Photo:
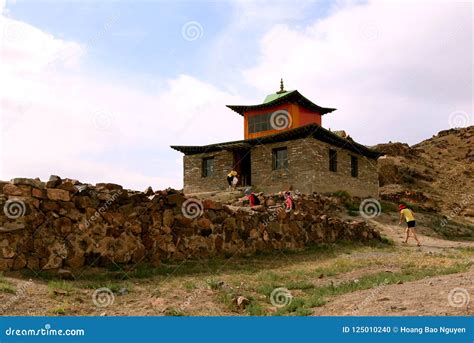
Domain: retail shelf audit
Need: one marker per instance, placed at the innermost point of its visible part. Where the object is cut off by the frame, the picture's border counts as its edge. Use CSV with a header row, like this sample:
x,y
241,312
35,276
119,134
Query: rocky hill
x,y
435,174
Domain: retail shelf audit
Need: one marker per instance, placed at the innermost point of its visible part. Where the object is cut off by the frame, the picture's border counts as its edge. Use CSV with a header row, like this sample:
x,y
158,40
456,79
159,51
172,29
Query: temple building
x,y
285,147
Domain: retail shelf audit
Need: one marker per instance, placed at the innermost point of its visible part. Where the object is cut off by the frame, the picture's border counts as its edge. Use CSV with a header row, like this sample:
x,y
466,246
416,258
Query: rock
x,y
59,291
58,194
65,274
204,223
108,187
53,182
175,199
149,191
38,193
168,218
5,264
122,291
67,186
399,282
27,182
211,205
241,302
7,252
10,189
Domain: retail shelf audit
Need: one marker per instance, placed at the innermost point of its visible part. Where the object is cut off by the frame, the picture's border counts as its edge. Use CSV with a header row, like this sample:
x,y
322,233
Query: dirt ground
x,y
436,279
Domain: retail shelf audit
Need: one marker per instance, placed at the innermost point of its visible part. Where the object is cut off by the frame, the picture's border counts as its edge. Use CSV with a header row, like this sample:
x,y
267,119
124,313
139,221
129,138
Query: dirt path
x,y
436,296
397,234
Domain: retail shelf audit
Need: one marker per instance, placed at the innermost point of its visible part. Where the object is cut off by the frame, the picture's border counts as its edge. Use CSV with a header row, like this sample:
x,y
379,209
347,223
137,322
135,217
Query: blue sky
x,y
98,90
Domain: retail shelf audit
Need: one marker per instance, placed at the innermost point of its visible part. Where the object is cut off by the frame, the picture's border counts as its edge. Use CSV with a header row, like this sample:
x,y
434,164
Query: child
x,y
289,202
230,178
235,180
410,219
253,199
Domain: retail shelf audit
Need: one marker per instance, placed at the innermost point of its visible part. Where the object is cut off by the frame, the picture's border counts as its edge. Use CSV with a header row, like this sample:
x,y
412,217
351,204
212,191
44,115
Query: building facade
x,y
285,148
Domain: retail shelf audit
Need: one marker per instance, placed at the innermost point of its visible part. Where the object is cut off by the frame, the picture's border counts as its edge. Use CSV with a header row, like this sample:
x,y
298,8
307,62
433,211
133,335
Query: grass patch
x,y
60,310
388,207
174,312
452,230
6,286
60,287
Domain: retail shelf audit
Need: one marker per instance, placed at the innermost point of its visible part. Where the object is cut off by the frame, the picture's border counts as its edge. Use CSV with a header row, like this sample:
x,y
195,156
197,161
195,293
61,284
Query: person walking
x,y
411,223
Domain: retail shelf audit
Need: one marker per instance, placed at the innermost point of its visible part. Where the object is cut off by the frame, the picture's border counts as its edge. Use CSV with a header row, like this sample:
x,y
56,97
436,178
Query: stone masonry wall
x,y
193,180
308,170
66,224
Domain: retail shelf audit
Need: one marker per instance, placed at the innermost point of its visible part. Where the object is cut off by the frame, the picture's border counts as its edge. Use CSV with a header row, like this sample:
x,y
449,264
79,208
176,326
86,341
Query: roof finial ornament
x,y
282,90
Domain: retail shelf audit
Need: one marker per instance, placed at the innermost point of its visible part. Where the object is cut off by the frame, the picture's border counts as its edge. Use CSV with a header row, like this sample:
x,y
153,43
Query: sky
x,y
98,90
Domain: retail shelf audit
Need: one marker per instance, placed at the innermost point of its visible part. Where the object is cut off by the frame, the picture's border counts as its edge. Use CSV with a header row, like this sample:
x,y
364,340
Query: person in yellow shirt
x,y
411,223
230,178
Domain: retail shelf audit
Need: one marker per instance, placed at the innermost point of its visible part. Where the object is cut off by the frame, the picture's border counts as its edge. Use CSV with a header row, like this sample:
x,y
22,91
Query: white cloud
x,y
394,71
59,119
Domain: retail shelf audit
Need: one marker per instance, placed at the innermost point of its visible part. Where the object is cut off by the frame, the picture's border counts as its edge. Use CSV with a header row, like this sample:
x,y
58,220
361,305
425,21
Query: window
x,y
354,166
259,123
332,160
280,158
207,166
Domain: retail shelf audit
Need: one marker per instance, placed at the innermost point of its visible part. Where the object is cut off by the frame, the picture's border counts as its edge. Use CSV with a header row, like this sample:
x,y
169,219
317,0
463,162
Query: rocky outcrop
x,y
64,223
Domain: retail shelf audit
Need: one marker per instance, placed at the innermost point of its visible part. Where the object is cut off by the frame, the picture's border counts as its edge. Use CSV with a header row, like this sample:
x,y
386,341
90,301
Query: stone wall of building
x,y
308,169
66,224
194,182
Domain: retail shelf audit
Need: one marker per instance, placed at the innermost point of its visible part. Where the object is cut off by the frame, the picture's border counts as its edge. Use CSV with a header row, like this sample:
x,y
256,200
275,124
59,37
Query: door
x,y
242,166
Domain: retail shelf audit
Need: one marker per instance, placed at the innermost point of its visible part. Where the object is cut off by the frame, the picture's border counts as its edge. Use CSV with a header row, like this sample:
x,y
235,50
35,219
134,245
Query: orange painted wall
x,y
299,117
309,117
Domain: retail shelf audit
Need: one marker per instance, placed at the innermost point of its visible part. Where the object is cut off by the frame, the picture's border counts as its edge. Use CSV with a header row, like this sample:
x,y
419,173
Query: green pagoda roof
x,y
279,98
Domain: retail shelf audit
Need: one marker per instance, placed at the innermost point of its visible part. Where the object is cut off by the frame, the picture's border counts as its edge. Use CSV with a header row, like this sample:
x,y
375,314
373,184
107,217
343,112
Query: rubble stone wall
x,y
63,223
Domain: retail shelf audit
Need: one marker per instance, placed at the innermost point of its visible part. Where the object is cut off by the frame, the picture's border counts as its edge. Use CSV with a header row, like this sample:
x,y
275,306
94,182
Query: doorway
x,y
242,165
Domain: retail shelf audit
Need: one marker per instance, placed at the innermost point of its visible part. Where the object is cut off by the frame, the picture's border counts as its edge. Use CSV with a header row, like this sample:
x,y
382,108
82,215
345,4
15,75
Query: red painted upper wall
x,y
298,116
